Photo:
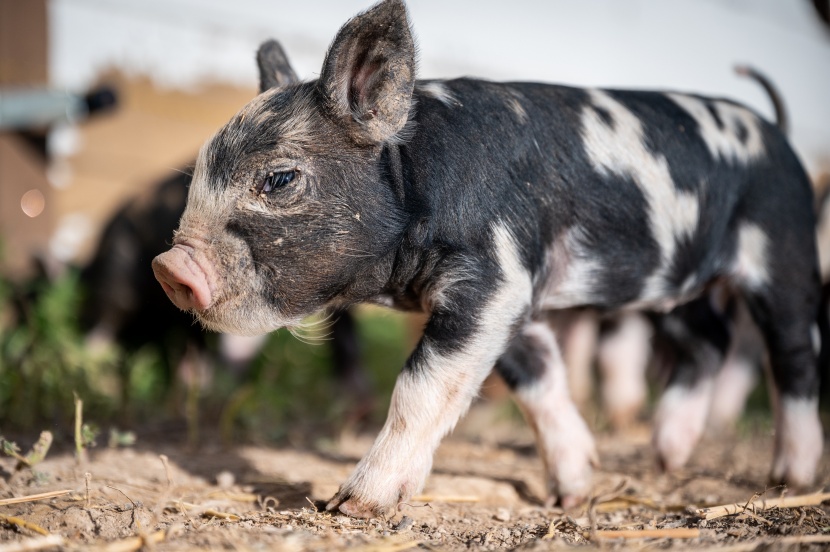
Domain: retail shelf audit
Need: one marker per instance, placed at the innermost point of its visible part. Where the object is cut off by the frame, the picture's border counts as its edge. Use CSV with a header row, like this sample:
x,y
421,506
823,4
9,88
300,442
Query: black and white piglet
x,y
486,205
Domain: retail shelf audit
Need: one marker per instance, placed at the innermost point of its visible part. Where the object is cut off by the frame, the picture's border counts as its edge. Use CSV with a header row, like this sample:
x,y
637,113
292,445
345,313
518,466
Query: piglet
x,y
486,205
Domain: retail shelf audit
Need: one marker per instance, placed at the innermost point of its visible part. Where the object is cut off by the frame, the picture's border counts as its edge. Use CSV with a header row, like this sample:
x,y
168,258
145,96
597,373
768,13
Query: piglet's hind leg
x,y
534,370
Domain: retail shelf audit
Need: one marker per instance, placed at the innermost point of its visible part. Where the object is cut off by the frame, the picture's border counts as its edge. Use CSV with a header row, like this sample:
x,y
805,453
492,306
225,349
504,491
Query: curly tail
x,y
781,118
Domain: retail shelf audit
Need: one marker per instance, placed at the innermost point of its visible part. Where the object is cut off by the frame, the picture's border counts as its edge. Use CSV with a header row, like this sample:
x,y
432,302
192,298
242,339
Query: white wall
x,y
679,44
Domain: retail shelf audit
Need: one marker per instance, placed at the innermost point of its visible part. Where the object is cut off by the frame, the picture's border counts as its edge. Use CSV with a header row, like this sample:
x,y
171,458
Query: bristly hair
x,y
409,129
276,116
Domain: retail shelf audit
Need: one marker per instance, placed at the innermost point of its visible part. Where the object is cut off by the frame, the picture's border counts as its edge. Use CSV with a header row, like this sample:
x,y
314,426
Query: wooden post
x,y
26,217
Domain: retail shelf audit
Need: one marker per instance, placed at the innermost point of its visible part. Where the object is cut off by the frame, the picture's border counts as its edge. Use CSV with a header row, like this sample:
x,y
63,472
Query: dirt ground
x,y
485,493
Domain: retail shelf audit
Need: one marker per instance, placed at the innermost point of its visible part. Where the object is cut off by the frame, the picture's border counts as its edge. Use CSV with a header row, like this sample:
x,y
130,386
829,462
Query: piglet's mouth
x,y
184,279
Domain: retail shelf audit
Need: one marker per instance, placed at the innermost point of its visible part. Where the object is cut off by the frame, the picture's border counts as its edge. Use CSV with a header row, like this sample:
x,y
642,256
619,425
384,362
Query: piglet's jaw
x,y
183,279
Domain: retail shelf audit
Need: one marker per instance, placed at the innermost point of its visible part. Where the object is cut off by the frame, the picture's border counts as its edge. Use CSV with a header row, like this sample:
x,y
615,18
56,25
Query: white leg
x,y
798,442
458,350
680,420
578,332
739,373
565,443
623,358
733,385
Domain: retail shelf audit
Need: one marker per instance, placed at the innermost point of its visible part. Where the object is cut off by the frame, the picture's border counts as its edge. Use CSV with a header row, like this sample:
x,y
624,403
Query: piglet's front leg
x,y
426,404
469,329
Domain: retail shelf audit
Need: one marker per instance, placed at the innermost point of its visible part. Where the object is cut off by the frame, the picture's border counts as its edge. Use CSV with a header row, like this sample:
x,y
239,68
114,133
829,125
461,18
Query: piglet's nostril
x,y
172,287
183,280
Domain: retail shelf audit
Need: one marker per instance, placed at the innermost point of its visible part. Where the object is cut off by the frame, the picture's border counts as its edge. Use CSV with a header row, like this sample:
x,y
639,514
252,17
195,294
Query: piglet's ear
x,y
369,72
274,69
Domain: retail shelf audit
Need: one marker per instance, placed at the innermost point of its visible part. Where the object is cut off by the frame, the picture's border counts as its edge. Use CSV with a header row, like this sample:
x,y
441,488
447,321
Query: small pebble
x,y
78,520
502,514
225,479
405,523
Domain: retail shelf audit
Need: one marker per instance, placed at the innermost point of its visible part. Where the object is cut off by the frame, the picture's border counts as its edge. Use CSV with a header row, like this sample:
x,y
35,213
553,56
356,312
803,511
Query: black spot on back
x,y
742,132
710,106
604,115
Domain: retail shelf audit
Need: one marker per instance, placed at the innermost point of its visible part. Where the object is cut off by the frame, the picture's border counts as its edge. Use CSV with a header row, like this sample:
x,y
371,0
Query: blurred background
x,y
118,95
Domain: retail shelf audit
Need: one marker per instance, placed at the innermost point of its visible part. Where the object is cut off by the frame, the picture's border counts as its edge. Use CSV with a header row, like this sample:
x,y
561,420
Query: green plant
x,y
42,357
34,456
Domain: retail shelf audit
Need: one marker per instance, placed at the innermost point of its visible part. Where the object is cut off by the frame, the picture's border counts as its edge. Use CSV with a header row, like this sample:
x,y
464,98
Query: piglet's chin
x,y
248,322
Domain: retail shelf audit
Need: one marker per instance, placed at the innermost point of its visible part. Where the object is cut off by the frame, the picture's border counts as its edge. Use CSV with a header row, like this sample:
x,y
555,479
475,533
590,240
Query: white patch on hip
x,y
439,91
751,265
514,104
573,271
429,399
620,149
724,143
564,440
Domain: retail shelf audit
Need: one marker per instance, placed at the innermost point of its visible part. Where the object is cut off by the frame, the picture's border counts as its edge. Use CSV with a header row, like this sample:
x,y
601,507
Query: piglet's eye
x,y
275,180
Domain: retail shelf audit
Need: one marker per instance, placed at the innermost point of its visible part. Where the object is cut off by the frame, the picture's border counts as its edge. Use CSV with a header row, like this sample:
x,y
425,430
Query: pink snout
x,y
183,279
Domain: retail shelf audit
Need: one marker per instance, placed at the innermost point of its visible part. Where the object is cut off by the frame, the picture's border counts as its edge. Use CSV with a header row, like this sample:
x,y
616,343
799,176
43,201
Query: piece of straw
x,y
34,497
674,533
20,522
761,504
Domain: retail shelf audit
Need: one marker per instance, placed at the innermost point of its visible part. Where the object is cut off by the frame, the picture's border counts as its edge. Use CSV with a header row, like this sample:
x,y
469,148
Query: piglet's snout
x,y
184,280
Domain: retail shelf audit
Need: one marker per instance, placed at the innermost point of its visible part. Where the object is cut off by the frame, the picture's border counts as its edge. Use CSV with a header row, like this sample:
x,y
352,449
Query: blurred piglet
x,y
123,304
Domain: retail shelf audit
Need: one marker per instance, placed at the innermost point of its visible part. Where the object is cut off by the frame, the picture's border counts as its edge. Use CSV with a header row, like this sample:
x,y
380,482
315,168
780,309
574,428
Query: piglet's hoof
x,y
566,502
354,507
